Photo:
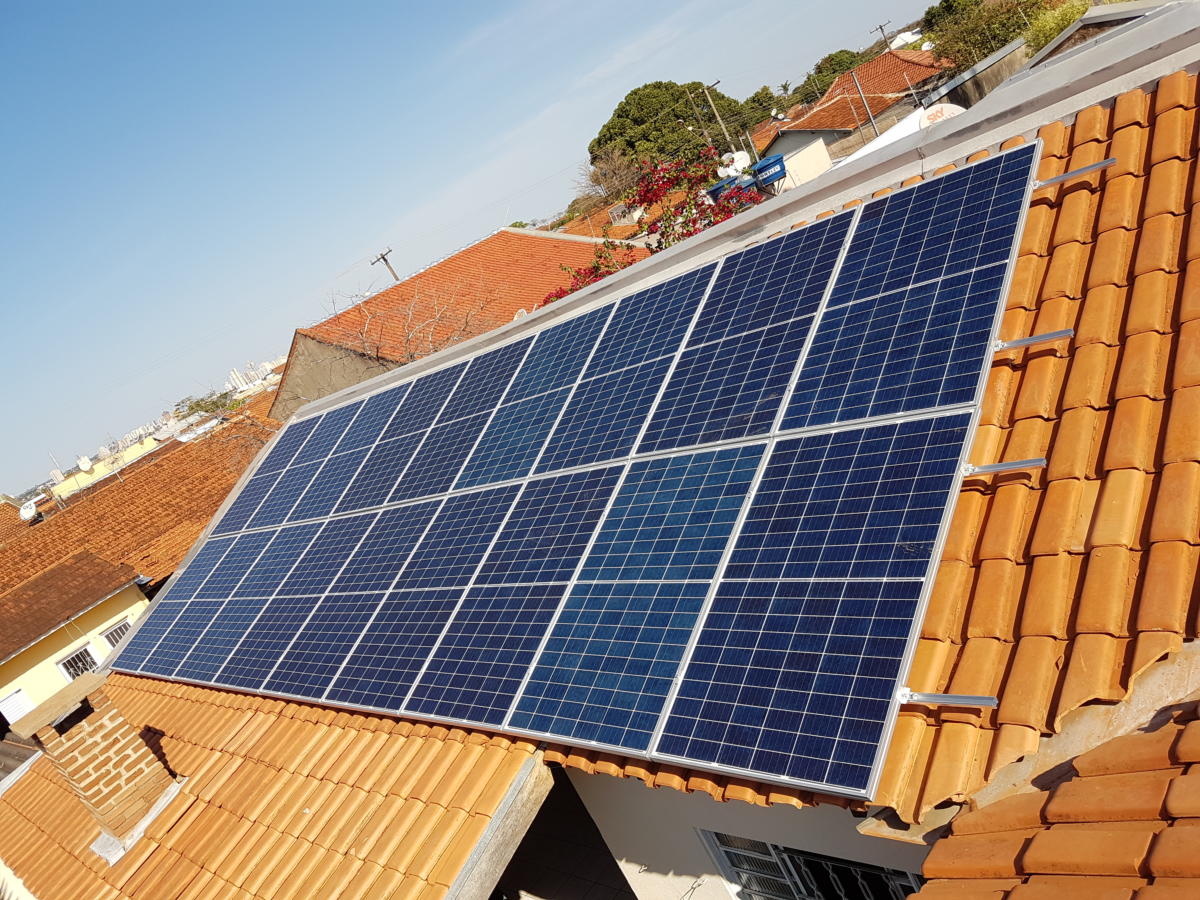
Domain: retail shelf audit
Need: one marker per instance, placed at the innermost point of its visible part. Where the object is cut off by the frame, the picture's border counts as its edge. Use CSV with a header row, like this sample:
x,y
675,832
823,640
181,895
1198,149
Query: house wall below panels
x,y
316,370
655,835
35,671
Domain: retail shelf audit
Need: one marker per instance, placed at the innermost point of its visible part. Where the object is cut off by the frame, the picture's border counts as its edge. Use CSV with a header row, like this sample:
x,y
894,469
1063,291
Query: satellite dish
x,y
84,463
734,164
28,511
931,115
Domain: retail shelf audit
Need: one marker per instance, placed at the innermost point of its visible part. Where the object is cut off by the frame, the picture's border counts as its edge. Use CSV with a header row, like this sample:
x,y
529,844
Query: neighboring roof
x,y
11,523
472,291
40,605
598,224
885,81
1121,827
281,799
150,516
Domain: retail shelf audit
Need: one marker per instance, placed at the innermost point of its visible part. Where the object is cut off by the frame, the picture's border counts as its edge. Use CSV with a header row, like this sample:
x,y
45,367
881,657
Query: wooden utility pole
x,y
383,258
699,118
713,106
882,32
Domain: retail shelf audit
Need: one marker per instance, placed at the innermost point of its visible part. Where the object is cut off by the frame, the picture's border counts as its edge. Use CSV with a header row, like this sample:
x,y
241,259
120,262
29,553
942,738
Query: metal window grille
x,y
114,634
769,872
78,663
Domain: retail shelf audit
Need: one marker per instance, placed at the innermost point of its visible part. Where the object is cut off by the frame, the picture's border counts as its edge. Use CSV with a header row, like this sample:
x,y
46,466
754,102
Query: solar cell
x,y
859,503
794,678
672,516
309,664
607,667
603,417
549,528
436,463
426,397
181,637
650,323
376,562
232,568
914,349
213,647
953,223
375,479
558,355
264,642
327,433
242,508
477,668
198,568
149,632
513,439
772,282
326,555
457,539
328,485
376,412
728,389
393,647
276,561
287,445
283,496
485,381
745,607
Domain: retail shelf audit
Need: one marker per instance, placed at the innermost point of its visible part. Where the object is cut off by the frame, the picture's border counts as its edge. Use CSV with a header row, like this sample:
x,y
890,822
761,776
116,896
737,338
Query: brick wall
x,y
108,766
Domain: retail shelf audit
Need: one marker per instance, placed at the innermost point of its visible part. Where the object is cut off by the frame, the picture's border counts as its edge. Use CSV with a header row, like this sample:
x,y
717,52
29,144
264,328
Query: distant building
x,y
481,287
59,625
873,95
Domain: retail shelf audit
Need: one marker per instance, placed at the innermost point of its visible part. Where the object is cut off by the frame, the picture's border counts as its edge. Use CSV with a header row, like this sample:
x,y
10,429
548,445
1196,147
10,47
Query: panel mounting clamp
x,y
1012,466
908,695
1044,338
1076,173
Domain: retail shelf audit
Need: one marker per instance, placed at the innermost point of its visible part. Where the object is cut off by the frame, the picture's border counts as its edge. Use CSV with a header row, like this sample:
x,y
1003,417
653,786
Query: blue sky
x,y
185,184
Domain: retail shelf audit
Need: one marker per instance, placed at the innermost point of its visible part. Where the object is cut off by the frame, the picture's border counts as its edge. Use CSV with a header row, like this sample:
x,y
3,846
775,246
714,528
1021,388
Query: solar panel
x,y
695,523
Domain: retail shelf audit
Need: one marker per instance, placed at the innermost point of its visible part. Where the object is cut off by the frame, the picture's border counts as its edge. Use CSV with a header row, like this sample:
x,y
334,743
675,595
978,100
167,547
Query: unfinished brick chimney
x,y
103,759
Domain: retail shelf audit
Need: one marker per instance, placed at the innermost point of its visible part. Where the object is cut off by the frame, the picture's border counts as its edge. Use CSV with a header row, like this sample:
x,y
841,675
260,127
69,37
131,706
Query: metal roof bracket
x,y
1076,173
1012,466
1044,338
908,695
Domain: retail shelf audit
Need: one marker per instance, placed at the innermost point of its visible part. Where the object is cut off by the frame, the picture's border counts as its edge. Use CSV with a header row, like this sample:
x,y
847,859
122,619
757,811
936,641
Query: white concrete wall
x,y
806,163
655,835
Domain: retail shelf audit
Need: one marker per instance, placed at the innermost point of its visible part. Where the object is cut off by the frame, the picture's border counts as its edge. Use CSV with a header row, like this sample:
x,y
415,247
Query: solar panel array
x,y
694,524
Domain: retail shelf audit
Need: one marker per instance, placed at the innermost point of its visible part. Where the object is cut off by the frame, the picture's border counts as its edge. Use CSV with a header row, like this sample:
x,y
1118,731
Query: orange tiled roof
x,y
11,523
477,289
1120,828
41,604
281,800
150,516
885,80
599,224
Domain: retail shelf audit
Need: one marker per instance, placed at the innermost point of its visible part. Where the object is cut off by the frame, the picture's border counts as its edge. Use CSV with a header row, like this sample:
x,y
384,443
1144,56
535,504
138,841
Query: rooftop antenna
x,y
383,258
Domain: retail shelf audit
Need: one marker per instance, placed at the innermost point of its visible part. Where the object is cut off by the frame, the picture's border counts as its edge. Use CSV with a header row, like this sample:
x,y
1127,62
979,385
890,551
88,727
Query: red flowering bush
x,y
609,257
677,191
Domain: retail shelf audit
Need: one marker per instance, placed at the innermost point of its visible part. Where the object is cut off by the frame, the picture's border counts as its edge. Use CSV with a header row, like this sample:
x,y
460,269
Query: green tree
x,y
658,120
943,9
213,403
978,30
759,104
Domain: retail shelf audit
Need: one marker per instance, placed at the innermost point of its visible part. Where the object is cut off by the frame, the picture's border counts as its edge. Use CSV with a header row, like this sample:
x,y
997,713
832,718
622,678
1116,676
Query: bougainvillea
x,y
674,194
609,257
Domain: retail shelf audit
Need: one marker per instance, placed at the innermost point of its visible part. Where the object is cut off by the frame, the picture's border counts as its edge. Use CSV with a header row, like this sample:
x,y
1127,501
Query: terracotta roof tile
x,y
271,830
44,602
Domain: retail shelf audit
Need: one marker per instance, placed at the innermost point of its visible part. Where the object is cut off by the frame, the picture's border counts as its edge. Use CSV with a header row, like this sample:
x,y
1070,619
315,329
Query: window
x,y
78,663
118,631
770,872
